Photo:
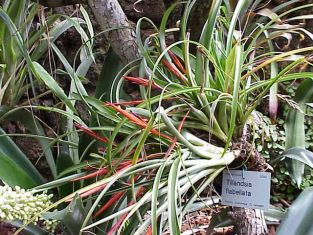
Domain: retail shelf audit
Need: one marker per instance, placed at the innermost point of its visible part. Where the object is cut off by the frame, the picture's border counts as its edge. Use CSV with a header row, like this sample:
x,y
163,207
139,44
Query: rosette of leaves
x,y
162,150
21,47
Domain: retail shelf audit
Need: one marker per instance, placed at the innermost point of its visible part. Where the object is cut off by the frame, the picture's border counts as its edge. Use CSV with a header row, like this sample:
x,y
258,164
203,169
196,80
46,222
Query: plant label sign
x,y
249,189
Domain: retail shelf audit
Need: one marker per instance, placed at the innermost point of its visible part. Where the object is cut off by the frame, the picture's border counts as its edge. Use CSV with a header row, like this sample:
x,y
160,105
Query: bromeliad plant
x,y
21,46
161,151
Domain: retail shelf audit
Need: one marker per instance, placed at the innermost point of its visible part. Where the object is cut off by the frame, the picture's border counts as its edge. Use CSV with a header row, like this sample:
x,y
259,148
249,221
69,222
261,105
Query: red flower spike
x,y
109,203
149,230
102,171
91,133
142,82
122,166
129,116
139,117
181,124
174,70
177,62
137,121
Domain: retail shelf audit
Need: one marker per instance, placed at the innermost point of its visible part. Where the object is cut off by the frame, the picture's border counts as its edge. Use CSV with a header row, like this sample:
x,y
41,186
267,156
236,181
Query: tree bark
x,y
110,15
249,221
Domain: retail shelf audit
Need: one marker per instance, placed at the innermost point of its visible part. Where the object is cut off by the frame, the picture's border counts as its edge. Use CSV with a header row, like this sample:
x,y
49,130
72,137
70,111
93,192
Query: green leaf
x,y
275,213
206,37
232,27
74,216
300,154
15,11
52,85
34,126
299,217
59,182
64,161
172,197
235,105
295,131
55,215
58,29
15,168
13,174
112,65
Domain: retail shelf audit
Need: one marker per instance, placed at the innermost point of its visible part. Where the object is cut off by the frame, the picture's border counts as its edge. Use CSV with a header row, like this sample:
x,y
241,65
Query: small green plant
x,y
21,47
270,141
15,79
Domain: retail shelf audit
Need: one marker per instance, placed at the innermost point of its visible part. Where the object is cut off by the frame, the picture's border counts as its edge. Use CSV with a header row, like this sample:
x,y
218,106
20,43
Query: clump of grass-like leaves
x,y
172,142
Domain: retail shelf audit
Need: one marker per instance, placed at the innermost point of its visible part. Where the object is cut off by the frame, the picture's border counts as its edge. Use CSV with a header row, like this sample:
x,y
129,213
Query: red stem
x,y
91,133
142,82
174,70
137,121
177,62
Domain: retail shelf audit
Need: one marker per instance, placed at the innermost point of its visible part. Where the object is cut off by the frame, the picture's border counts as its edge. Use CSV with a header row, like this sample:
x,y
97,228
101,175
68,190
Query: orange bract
x,y
91,133
177,62
139,122
175,71
142,82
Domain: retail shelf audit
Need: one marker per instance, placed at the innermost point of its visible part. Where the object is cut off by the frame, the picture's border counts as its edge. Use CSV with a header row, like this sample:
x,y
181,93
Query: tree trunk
x,y
249,221
122,37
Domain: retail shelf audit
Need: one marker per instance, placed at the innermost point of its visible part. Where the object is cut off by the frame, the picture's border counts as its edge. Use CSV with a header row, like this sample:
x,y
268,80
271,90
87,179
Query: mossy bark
x,y
249,221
